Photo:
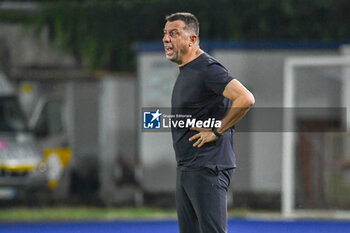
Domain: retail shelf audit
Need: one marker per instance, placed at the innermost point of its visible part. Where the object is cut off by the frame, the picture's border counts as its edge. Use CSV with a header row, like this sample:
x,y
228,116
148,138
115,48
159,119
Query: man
x,y
205,157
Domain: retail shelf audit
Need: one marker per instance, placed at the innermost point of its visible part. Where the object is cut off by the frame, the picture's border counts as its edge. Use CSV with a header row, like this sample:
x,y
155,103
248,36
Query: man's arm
x,y
242,100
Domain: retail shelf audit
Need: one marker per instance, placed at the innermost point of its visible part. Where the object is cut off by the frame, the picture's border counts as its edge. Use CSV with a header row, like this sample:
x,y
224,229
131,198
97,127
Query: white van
x,y
24,167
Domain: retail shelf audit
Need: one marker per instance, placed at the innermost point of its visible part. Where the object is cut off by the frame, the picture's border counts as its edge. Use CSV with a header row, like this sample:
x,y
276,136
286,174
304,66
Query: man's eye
x,y
173,33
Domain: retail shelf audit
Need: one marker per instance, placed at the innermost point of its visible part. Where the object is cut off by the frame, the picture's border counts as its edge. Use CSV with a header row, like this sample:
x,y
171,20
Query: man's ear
x,y
193,39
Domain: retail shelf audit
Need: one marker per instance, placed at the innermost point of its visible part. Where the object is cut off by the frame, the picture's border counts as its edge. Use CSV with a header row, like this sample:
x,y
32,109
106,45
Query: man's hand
x,y
204,136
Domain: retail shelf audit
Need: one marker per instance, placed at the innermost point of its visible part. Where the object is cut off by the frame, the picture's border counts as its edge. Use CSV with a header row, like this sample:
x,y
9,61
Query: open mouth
x,y
169,50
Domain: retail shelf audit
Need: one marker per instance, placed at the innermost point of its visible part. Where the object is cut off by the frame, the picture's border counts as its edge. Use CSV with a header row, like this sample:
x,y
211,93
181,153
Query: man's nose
x,y
166,38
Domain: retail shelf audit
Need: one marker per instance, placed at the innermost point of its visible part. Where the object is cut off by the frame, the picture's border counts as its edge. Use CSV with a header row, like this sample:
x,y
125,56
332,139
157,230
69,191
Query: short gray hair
x,y
189,19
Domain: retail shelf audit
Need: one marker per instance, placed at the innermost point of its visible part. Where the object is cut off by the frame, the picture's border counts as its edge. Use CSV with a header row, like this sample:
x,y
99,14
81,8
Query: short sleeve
x,y
216,78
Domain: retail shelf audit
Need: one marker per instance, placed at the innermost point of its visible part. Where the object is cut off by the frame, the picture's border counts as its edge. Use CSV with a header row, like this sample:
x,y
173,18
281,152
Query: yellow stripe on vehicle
x,y
18,168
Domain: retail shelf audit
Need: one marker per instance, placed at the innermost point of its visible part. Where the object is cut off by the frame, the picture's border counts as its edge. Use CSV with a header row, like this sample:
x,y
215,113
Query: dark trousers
x,y
201,199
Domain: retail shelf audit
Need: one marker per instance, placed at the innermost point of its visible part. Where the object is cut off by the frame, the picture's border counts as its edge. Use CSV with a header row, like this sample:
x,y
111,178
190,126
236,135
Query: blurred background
x,y
74,76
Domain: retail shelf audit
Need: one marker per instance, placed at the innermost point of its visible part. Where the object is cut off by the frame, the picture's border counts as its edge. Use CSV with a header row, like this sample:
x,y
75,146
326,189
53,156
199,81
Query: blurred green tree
x,y
104,32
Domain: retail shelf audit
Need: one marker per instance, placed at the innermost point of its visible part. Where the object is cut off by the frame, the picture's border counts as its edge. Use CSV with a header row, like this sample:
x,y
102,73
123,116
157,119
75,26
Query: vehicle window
x,y
50,121
11,117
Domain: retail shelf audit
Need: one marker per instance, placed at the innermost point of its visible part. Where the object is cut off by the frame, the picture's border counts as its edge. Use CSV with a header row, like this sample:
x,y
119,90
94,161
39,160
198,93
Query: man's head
x,y
181,36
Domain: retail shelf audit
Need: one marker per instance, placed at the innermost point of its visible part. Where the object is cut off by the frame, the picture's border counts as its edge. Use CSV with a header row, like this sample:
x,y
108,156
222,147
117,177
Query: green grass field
x,y
81,213
92,213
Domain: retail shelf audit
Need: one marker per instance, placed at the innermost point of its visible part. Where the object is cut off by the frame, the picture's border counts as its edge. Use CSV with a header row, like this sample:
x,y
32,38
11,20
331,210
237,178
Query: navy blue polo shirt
x,y
198,92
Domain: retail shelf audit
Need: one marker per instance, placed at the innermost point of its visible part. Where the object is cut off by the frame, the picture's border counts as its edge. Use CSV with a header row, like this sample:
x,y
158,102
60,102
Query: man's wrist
x,y
215,131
